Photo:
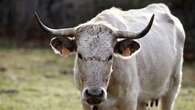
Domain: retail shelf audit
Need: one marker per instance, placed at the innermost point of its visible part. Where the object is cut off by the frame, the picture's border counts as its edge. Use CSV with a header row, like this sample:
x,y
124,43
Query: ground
x,y
37,79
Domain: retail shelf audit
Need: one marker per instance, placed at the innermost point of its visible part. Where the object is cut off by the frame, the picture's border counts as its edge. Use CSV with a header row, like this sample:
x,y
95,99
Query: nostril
x,y
87,92
101,93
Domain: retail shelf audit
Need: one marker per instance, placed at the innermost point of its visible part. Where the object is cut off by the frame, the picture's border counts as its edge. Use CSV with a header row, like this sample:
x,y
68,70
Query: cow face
x,y
94,63
95,46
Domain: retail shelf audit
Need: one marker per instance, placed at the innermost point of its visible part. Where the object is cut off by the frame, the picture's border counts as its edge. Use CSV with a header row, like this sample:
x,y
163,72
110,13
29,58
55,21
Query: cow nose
x,y
97,93
94,96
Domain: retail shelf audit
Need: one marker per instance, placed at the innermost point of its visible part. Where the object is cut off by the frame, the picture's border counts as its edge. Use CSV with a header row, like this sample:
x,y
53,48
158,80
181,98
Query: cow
x,y
125,59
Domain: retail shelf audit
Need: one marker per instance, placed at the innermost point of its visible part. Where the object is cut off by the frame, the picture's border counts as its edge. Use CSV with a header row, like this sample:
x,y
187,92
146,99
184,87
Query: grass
x,y
36,79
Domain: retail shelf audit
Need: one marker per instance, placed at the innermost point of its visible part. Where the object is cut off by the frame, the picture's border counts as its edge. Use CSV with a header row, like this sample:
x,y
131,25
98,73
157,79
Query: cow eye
x,y
110,57
80,56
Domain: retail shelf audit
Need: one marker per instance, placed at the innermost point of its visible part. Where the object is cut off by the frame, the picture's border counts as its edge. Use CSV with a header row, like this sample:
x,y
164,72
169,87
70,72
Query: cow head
x,y
95,46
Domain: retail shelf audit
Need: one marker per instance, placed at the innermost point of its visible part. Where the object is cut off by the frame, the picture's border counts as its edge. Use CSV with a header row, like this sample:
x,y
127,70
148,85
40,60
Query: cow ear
x,y
62,45
126,47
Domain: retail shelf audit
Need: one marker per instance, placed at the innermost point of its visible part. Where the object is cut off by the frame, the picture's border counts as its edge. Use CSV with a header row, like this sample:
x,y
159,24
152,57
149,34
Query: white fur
x,y
153,72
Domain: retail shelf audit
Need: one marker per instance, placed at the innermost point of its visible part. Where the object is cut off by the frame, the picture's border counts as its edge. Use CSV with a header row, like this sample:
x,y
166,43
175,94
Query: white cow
x,y
120,67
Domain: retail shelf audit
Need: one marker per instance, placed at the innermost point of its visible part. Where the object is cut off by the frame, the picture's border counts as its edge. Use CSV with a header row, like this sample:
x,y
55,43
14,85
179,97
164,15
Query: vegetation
x,y
36,79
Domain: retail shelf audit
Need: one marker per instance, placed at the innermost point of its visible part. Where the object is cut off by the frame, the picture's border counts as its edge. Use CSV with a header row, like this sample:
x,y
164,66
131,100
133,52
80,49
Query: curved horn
x,y
126,34
65,31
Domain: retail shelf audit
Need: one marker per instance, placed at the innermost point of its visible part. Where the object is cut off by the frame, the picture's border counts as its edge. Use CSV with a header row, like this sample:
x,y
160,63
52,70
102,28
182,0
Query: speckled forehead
x,y
94,40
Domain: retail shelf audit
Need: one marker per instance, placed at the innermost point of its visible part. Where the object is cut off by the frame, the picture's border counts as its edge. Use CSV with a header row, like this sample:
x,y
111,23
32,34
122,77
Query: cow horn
x,y
130,35
66,31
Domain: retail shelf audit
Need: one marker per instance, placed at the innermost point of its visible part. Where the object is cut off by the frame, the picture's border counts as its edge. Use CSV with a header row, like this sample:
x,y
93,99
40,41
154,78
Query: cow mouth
x,y
94,108
94,101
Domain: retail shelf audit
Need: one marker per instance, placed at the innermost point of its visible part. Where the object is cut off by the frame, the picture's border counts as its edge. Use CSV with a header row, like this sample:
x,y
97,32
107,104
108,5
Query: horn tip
x,y
37,16
40,23
152,18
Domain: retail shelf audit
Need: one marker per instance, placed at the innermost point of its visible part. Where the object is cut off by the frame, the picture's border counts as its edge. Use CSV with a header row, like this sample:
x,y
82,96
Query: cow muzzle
x,y
94,96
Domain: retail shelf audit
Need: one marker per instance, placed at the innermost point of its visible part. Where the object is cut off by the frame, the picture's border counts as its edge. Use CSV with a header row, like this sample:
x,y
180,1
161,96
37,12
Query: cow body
x,y
119,67
152,73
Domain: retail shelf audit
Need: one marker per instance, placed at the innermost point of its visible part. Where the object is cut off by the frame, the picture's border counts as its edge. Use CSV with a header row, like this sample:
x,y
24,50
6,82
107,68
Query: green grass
x,y
36,79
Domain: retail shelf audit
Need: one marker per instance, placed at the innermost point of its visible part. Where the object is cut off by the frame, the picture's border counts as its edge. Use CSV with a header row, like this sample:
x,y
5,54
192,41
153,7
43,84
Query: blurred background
x,y
17,21
33,78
